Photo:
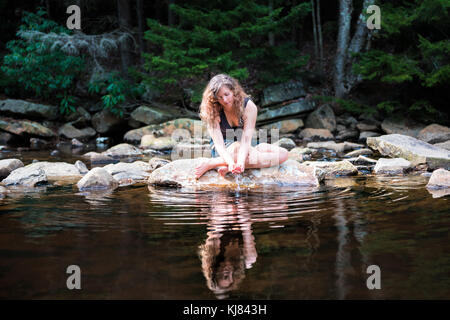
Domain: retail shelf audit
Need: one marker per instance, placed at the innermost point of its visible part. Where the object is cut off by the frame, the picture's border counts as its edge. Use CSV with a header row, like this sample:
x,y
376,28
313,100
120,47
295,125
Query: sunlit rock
x,y
311,134
444,145
434,133
411,149
392,166
286,143
29,176
334,168
123,150
359,152
149,141
97,178
156,163
70,132
24,127
439,183
8,165
29,110
129,173
180,173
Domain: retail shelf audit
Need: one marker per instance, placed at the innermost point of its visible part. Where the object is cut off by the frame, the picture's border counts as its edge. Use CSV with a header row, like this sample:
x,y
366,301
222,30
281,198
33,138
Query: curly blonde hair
x,y
210,106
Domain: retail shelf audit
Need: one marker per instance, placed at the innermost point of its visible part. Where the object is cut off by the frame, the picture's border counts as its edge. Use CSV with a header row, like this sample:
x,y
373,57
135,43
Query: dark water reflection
x,y
269,243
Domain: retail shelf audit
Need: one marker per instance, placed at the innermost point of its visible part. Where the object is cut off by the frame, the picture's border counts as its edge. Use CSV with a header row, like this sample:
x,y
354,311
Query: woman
x,y
227,109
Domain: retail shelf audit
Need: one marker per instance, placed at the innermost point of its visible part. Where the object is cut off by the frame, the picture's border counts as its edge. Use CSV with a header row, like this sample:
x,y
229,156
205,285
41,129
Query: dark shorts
x,y
215,154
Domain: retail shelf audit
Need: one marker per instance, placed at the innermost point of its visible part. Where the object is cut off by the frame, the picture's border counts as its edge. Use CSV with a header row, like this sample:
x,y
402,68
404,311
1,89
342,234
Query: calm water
x,y
140,242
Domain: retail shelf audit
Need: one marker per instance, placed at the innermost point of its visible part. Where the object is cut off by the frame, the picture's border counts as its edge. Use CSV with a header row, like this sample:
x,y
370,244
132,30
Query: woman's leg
x,y
216,162
266,155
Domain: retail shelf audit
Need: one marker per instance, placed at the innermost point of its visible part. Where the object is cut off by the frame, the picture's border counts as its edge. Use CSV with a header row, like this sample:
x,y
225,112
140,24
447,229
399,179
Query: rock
x,y
292,109
401,126
361,160
340,128
3,192
102,142
282,92
284,126
412,149
68,131
151,115
28,176
440,179
347,121
359,152
9,165
149,141
434,133
97,178
180,173
392,166
54,153
193,127
123,150
81,167
365,126
29,110
311,134
76,143
322,118
337,147
56,170
129,173
334,168
22,127
365,134
444,145
286,143
156,163
37,144
105,122
98,158
299,154
5,137
347,134
134,124
190,151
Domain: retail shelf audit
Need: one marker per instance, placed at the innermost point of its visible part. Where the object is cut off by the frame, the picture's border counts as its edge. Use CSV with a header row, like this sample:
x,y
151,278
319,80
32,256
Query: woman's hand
x,y
239,168
231,165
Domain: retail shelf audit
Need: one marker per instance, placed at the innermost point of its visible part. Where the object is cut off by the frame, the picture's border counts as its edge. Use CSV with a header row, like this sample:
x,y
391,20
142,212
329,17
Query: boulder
x,y
359,152
105,121
28,110
123,150
392,166
97,179
402,126
22,127
334,168
412,149
286,143
5,137
443,145
156,163
434,133
98,158
282,92
337,147
37,144
129,173
291,109
151,115
81,167
365,126
55,170
347,134
190,151
300,154
9,165
361,160
149,141
322,118
28,176
69,131
440,179
366,134
284,126
311,134
180,173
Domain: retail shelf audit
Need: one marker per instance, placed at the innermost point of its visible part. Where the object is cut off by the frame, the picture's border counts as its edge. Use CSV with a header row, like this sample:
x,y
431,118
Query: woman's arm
x,y
219,144
251,111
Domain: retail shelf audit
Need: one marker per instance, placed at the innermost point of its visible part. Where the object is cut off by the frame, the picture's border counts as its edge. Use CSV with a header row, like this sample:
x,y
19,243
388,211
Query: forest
x,y
130,52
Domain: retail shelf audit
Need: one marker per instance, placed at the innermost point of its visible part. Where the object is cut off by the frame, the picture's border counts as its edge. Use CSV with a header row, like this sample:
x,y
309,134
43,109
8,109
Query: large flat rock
x,y
180,173
412,149
25,109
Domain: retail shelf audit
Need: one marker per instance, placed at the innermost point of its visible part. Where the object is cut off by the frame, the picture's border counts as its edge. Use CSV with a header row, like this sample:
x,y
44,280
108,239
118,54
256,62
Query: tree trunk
x,y
345,18
319,31
140,18
124,16
316,48
271,35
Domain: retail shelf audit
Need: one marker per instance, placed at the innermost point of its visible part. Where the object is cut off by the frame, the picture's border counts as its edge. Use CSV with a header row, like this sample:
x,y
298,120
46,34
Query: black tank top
x,y
224,125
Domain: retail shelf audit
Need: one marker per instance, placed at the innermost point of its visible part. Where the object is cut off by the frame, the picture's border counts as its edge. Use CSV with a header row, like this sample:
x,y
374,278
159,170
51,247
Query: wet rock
x,y
444,145
97,178
282,92
439,179
311,134
180,173
98,158
434,133
29,176
409,148
284,126
286,143
9,165
56,170
193,127
337,147
23,127
29,110
129,173
54,153
123,150
402,126
365,134
190,151
151,115
334,168
291,109
359,152
347,134
81,167
37,144
156,163
69,131
322,118
392,166
105,122
3,192
300,154
365,126
76,143
361,160
149,141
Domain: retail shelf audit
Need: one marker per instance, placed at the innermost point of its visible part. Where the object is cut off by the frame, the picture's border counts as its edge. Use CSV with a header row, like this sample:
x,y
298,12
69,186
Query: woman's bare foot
x,y
202,167
222,171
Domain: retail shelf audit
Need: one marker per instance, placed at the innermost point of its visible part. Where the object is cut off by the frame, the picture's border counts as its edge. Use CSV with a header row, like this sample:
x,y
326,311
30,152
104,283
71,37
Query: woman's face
x,y
225,96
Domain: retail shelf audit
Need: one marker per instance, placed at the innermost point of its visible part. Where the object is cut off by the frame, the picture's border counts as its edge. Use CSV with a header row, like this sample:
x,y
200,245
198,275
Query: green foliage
x,y
114,90
213,38
32,66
